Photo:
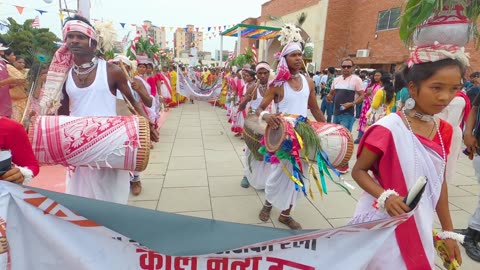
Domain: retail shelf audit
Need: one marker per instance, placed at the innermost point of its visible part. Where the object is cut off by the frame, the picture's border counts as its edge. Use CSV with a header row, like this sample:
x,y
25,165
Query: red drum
x,y
120,142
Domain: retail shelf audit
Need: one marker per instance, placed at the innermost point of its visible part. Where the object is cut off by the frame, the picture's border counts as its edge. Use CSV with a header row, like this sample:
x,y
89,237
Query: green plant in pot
x,y
425,22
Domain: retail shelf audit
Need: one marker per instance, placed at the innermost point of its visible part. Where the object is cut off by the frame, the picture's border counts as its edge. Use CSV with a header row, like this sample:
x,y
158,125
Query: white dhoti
x,y
256,171
280,189
101,184
455,150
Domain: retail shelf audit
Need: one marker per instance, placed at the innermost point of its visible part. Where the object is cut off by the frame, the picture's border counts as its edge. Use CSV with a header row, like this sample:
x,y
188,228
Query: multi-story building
x,y
157,33
186,38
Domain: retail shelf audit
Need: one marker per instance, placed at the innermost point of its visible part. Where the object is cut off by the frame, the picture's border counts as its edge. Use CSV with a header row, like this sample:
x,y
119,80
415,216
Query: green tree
x,y
30,42
242,59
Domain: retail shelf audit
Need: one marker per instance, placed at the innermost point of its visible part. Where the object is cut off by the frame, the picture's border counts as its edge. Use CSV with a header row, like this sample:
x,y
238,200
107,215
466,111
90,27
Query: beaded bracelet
x,y
380,202
450,235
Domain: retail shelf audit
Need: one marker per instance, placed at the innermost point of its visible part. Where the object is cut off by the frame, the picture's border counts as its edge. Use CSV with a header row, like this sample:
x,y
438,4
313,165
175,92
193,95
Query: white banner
x,y
43,234
190,86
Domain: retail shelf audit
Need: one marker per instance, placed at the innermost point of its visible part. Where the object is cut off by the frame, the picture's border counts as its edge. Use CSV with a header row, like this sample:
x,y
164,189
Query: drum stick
x,y
129,104
29,98
122,66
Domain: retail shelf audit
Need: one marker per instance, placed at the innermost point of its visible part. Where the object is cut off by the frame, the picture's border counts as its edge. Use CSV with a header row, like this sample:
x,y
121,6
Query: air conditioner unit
x,y
363,53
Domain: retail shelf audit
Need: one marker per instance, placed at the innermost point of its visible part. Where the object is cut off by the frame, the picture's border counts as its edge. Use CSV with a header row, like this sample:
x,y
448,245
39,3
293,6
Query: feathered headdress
x,y
290,33
106,36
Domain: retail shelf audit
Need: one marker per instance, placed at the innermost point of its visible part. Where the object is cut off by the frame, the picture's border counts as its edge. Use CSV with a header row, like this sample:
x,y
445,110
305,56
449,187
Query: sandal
x,y
265,213
289,222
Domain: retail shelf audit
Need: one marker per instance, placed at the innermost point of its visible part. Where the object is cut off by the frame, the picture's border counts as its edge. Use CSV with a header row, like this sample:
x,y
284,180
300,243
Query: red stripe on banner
x,y
36,201
84,223
50,208
60,213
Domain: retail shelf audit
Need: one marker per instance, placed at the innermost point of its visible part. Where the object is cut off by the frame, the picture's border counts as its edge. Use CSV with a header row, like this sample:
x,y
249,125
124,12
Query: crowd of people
x,y
422,108
410,125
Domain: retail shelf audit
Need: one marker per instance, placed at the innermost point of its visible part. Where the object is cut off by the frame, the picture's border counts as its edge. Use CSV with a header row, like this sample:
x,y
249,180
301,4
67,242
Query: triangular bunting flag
x,y
196,28
41,11
20,9
145,27
61,15
122,24
171,29
209,28
224,27
215,28
186,29
134,24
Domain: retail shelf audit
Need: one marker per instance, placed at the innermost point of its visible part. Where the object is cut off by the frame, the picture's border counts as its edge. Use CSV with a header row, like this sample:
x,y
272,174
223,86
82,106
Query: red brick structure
x,y
352,26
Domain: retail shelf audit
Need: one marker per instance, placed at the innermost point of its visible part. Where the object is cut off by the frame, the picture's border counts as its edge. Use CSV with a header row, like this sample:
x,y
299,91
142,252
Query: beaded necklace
x,y
444,154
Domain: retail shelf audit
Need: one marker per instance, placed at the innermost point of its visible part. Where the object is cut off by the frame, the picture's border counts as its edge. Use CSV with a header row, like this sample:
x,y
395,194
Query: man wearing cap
x,y
294,94
88,86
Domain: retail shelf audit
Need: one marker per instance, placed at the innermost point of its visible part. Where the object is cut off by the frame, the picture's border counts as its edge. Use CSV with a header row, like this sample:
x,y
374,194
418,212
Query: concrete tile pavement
x,y
197,166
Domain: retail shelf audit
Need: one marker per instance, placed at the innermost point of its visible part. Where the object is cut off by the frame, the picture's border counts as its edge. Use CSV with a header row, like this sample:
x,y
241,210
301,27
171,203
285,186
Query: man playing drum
x,y
256,171
90,90
295,94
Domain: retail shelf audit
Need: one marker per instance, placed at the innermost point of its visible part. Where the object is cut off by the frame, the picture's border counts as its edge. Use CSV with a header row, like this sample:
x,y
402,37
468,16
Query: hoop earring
x,y
410,104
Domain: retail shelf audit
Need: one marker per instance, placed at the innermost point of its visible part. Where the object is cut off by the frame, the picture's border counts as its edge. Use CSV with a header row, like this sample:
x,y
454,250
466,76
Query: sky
x,y
171,13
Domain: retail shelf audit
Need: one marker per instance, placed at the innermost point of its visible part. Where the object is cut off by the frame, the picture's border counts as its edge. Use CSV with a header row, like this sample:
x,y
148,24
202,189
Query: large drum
x,y
121,142
253,131
335,140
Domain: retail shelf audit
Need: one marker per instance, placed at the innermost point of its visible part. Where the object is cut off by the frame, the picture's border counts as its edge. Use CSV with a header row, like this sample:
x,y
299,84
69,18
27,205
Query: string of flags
x,y
212,30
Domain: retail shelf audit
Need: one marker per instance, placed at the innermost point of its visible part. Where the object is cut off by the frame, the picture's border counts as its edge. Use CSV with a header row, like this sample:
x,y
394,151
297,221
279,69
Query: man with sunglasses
x,y
342,94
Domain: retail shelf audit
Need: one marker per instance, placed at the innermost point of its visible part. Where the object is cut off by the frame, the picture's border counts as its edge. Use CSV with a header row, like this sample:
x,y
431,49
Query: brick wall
x,y
337,34
279,8
352,24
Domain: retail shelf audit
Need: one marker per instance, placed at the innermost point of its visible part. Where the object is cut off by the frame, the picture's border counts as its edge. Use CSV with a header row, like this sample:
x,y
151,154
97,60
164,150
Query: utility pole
x,y
83,8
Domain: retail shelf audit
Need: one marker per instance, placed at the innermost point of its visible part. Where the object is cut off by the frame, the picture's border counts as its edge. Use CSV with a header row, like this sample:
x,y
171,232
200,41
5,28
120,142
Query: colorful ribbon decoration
x,y
290,152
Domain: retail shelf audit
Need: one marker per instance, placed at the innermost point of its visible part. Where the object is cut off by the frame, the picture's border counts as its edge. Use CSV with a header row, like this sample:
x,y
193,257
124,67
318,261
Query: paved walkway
x,y
197,166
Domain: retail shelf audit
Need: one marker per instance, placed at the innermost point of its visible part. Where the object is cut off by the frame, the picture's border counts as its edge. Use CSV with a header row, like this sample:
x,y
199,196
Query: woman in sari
x,y
399,149
18,93
370,92
385,96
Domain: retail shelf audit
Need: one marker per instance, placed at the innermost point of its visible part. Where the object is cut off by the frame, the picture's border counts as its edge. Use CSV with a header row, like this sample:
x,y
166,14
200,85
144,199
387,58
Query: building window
x,y
388,19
